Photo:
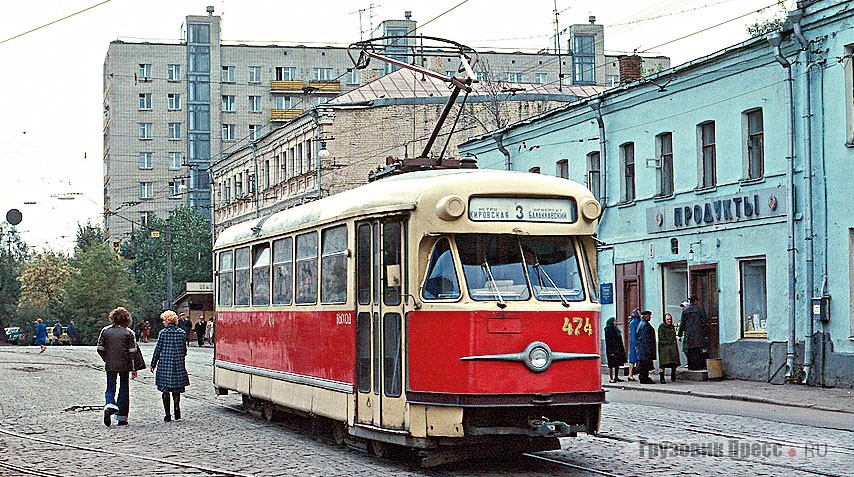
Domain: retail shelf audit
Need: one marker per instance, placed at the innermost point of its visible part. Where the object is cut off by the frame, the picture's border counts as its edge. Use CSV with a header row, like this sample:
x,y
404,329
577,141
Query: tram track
x,y
563,463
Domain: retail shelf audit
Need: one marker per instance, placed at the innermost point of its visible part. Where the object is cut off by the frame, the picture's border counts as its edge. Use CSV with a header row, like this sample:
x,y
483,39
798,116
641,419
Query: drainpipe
x,y
499,139
596,104
775,39
255,180
806,85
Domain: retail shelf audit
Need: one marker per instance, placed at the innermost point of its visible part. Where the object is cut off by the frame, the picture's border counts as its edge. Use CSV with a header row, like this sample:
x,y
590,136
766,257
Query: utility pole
x,y
557,49
168,265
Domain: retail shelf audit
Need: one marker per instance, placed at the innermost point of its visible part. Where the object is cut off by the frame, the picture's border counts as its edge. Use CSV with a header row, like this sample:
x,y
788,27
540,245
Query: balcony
x,y
289,86
325,86
284,114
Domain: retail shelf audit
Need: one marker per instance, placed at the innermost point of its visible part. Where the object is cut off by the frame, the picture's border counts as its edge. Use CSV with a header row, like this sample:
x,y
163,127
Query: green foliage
x,y
100,281
762,28
190,236
87,236
13,253
42,283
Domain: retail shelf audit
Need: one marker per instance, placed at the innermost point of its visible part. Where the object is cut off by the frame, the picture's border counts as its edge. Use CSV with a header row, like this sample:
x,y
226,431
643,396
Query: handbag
x,y
138,360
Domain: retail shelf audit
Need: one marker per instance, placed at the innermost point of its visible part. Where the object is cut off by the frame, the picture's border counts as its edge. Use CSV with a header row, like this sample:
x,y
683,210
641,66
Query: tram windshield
x,y
511,268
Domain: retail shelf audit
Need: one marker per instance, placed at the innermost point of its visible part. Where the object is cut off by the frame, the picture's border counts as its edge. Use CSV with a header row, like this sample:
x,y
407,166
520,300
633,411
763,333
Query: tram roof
x,y
395,193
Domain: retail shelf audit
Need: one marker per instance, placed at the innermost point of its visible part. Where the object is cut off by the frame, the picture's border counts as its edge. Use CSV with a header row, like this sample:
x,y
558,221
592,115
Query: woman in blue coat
x,y
168,363
634,320
41,334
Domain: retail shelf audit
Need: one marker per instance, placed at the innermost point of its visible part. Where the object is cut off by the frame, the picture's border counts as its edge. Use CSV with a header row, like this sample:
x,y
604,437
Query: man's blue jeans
x,y
124,392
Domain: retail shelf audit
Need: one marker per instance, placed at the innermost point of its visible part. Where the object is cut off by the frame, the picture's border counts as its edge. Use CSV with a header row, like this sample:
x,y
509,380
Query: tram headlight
x,y
450,208
591,209
537,356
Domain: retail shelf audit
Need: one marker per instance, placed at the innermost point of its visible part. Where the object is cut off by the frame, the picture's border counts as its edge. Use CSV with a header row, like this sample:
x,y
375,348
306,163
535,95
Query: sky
x,y
51,86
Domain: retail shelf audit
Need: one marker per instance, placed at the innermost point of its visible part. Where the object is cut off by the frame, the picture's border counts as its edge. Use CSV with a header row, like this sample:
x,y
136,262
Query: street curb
x,y
729,397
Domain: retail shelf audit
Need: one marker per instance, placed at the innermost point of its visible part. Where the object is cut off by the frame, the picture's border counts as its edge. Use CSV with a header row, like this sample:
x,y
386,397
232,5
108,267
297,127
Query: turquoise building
x,y
726,177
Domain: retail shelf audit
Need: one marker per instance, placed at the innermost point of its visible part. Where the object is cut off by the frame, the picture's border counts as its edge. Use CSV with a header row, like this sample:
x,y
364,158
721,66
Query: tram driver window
x,y
441,281
241,276
261,275
492,265
333,265
225,293
306,276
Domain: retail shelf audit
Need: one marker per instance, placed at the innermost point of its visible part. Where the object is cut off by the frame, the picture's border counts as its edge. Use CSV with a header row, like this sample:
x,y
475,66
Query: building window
x,y
146,130
229,132
175,189
174,131
265,177
584,59
145,190
514,77
562,169
612,80
175,161
173,73
238,186
146,160
285,102
254,74
754,136
627,163
286,73
228,74
593,171
754,298
144,218
144,101
706,132
174,101
254,131
482,76
144,73
354,76
228,103
664,151
321,74
254,104
541,78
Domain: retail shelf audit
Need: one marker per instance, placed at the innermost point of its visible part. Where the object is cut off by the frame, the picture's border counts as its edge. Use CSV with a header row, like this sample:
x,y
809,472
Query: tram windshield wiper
x,y
487,270
541,272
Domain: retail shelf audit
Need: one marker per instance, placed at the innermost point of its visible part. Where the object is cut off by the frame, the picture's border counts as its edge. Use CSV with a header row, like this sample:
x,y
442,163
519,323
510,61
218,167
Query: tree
x,y
189,236
757,29
43,282
13,253
99,282
88,235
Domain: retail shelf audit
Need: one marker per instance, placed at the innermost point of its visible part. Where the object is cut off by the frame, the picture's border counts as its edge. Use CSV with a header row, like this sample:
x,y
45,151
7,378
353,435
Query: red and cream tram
x,y
446,311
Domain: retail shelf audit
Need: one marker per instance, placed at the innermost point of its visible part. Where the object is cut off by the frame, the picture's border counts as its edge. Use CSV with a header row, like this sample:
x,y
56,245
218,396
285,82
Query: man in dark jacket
x,y
185,325
694,326
117,345
200,331
645,349
57,333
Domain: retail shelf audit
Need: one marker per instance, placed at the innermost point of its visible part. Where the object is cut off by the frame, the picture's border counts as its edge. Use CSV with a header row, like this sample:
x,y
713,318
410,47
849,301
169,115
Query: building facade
x,y
724,178
172,108
334,147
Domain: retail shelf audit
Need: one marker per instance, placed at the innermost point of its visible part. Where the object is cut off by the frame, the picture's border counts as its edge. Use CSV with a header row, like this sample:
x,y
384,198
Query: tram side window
x,y
241,276
283,271
225,293
333,265
261,275
363,263
391,355
392,285
306,282
441,281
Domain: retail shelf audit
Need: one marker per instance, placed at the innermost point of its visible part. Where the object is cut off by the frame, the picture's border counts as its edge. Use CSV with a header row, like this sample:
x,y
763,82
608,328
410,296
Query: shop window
x,y
754,298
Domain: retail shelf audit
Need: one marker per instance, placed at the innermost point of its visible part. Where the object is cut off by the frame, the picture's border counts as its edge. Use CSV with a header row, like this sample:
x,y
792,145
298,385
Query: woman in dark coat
x,y
614,350
645,348
668,352
168,363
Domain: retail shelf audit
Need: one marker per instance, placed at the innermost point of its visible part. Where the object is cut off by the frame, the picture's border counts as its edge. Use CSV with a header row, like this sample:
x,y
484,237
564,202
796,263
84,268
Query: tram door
x,y
379,323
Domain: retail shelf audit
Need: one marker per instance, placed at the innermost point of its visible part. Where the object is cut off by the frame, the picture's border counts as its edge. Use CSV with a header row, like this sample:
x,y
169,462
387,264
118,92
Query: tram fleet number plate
x,y
518,209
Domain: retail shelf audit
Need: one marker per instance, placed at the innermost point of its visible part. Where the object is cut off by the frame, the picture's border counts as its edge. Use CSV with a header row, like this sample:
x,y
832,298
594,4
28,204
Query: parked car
x,y
15,335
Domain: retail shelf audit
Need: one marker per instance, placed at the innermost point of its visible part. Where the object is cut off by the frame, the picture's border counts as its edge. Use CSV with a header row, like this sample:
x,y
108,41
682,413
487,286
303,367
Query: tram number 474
x,y
576,325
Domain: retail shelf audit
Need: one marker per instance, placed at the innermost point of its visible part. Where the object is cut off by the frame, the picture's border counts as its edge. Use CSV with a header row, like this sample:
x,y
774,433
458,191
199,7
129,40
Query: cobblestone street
x,y
51,425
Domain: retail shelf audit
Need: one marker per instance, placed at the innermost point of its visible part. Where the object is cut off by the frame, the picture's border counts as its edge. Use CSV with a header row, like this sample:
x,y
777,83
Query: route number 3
x,y
576,325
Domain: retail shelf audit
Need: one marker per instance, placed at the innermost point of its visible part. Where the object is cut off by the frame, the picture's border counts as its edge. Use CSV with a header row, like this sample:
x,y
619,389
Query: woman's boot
x,y
177,398
167,417
673,374
661,377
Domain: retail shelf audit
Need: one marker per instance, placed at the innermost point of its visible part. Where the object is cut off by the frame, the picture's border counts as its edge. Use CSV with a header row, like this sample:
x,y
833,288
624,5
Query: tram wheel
x,y
269,412
339,433
378,449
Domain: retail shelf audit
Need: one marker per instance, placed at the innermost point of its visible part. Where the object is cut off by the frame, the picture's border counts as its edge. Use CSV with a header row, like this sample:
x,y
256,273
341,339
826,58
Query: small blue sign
x,y
606,293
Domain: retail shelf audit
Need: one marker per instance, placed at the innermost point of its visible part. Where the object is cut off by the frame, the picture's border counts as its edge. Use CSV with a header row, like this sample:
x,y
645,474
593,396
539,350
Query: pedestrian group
x,y
644,349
